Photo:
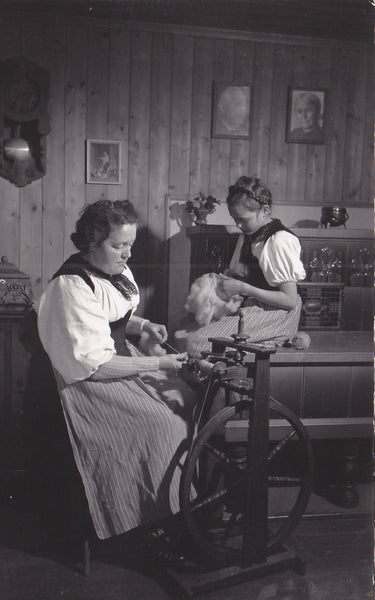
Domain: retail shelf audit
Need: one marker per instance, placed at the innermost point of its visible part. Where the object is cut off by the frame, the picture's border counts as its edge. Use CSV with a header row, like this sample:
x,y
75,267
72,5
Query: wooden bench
x,y
329,386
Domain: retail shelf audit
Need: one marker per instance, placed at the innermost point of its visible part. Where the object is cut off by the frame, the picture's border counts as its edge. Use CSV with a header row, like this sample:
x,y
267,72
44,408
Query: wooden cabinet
x,y
13,367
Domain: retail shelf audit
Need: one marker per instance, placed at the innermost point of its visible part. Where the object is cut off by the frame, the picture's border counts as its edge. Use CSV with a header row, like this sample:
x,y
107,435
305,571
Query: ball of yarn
x,y
301,340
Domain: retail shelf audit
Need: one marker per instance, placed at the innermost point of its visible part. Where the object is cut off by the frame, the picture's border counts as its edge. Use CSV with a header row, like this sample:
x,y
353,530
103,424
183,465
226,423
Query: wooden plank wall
x,y
151,88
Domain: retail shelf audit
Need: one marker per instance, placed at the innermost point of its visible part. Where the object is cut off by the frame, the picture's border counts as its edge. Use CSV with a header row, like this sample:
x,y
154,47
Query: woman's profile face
x,y
112,255
247,220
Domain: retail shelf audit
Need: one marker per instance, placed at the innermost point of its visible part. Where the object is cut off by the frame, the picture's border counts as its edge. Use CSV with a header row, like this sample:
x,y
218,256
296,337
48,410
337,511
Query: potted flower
x,y
201,206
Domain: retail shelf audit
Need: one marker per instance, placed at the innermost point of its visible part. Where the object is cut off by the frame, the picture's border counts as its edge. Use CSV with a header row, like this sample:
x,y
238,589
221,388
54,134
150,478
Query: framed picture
x,y
103,160
231,110
306,116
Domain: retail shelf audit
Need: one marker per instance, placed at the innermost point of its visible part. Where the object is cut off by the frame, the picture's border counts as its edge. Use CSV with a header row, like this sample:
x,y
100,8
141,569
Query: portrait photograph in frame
x,y
103,162
231,110
306,116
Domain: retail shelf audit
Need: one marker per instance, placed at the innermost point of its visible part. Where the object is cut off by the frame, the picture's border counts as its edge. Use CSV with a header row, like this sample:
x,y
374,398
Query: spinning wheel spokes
x,y
285,480
279,447
215,519
227,463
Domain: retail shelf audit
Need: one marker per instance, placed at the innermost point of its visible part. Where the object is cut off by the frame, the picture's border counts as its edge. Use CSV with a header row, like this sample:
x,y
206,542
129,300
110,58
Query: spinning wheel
x,y
215,518
229,479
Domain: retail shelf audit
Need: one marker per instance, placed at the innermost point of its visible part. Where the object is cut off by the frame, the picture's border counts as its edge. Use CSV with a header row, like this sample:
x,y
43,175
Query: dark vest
x,y
255,275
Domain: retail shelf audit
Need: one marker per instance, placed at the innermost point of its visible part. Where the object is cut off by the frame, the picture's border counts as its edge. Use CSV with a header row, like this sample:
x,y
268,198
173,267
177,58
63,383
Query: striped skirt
x,y
261,323
129,438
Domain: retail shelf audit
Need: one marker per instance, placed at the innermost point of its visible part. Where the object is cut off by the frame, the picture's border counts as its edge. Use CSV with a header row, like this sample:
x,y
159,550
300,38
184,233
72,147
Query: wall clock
x,y
21,96
24,120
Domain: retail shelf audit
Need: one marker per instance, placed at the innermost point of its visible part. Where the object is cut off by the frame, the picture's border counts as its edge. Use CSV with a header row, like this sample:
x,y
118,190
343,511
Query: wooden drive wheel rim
x,y
214,518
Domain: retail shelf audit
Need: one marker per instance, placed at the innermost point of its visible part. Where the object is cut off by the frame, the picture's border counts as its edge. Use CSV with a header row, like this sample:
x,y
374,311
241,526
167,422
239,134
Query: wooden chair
x,y
55,486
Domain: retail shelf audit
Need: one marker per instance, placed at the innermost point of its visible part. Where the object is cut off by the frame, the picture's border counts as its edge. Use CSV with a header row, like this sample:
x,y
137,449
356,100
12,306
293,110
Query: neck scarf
x,y
77,265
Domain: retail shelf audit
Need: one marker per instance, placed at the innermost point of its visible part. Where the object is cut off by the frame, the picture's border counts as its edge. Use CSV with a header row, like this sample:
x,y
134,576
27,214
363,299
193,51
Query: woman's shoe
x,y
160,548
170,558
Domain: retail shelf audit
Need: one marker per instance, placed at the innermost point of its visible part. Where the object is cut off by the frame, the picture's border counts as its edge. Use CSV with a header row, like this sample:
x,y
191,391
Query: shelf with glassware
x,y
332,255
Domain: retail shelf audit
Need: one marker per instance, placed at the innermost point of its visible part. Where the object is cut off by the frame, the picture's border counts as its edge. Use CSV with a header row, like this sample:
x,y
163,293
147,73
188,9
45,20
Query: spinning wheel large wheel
x,y
215,516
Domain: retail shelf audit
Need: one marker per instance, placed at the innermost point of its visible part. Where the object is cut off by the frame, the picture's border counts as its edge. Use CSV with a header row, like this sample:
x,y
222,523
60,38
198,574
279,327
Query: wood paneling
x,y
261,113
97,98
75,129
316,153
182,78
282,78
287,385
10,35
54,180
151,87
297,153
118,104
243,71
353,148
367,167
336,126
361,391
181,123
160,137
201,107
220,148
31,196
325,390
139,127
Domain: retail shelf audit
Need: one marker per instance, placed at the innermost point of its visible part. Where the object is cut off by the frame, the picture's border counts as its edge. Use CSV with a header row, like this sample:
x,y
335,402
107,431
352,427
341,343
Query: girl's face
x,y
248,220
112,254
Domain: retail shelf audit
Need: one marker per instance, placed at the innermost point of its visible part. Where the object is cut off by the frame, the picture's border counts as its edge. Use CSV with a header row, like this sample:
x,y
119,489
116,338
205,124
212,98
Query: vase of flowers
x,y
201,206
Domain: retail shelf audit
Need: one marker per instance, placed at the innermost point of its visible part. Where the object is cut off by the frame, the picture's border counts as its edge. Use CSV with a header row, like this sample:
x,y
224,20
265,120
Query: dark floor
x,y
337,548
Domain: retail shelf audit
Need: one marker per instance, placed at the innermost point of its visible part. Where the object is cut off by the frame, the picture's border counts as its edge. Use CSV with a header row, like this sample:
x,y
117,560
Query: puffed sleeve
x,y
73,328
280,259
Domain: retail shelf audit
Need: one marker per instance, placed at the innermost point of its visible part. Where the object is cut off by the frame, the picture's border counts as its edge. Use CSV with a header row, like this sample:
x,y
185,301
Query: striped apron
x,y
261,323
129,438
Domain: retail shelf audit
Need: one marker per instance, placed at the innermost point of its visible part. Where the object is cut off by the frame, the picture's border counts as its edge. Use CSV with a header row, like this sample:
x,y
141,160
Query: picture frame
x,y
231,109
306,116
103,162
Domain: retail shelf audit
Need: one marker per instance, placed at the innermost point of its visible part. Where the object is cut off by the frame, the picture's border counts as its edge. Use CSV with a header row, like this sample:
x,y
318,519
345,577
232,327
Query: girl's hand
x,y
157,332
172,362
231,286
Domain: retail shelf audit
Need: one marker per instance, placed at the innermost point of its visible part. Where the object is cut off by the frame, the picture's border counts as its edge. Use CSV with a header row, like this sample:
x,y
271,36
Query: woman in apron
x,y
128,415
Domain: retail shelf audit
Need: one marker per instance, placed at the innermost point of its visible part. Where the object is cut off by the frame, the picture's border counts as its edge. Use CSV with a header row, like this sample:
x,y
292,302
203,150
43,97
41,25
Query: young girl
x,y
264,269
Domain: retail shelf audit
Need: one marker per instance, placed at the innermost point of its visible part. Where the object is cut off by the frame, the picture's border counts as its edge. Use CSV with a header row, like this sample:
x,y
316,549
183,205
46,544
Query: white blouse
x,y
73,324
279,258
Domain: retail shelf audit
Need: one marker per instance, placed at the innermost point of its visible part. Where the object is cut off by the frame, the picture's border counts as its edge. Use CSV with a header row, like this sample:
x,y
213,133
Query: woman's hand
x,y
231,286
172,362
157,332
